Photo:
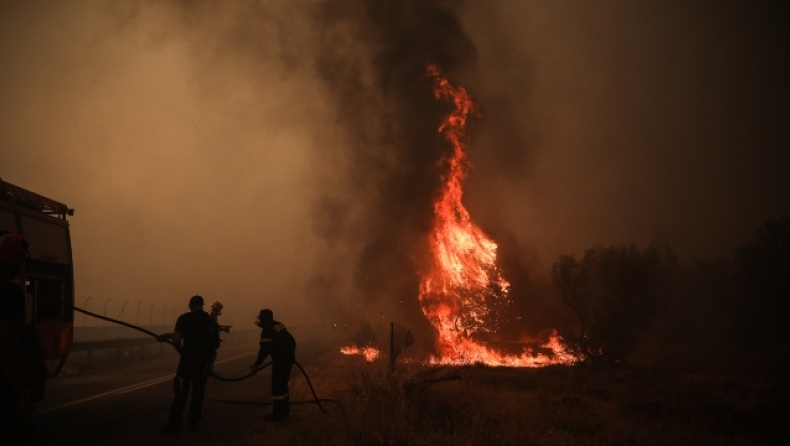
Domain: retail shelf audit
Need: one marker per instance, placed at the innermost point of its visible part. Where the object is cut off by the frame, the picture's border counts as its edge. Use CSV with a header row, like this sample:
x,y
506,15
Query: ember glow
x,y
369,353
463,284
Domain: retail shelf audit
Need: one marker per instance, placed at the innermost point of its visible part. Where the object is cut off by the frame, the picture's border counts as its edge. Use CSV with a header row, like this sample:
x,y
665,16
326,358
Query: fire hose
x,y
315,400
125,324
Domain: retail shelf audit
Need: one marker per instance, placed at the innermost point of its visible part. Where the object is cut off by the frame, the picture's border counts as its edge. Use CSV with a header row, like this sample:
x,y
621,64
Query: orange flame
x,y
369,353
463,283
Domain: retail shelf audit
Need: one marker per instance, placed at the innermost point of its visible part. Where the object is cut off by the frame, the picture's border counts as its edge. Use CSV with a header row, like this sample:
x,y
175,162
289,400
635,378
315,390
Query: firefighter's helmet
x,y
265,316
13,250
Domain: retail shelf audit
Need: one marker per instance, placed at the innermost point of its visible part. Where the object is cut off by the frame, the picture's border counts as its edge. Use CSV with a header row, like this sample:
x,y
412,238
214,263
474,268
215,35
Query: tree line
x,y
621,298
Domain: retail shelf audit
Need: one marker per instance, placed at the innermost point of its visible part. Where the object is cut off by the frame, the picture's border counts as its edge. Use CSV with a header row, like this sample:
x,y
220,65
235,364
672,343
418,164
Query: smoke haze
x,y
284,153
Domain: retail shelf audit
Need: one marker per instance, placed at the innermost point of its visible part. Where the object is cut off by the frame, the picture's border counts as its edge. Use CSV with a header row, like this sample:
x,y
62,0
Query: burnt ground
x,y
557,405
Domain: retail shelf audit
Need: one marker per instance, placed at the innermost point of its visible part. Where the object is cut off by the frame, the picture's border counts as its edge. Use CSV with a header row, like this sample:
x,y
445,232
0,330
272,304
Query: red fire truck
x,y
48,275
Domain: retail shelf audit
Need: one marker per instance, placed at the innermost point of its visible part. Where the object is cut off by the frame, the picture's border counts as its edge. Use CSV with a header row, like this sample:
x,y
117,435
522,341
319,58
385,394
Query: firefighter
x,y
277,342
15,389
216,310
196,336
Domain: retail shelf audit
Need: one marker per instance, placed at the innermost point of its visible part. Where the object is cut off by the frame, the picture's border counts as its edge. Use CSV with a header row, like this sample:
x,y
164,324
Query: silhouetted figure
x,y
277,342
216,311
196,336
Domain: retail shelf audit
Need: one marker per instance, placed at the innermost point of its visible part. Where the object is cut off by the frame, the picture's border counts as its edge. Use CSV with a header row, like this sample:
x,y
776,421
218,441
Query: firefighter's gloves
x,y
167,338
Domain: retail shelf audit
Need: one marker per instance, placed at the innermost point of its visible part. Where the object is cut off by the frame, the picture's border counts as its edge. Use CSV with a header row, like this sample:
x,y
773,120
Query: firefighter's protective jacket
x,y
277,342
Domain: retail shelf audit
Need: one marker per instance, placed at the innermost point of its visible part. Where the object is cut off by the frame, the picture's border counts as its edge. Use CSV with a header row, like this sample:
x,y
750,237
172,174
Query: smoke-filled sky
x,y
282,153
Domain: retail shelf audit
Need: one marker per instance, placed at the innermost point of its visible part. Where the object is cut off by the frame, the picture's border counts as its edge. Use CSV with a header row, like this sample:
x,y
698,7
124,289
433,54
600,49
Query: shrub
x,y
365,336
614,293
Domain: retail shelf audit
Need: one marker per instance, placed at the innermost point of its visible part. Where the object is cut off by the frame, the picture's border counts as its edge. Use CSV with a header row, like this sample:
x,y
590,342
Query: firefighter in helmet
x,y
216,310
15,388
277,342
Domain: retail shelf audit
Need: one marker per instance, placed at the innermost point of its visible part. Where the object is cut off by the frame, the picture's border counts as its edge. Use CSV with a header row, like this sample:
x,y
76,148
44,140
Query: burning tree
x,y
462,292
405,177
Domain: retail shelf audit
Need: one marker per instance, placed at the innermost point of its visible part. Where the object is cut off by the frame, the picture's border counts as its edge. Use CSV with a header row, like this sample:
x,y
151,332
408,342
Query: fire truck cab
x,y
47,277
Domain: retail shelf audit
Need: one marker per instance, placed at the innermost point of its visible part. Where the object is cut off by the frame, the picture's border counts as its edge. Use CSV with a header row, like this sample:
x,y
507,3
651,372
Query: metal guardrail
x,y
123,346
115,343
120,345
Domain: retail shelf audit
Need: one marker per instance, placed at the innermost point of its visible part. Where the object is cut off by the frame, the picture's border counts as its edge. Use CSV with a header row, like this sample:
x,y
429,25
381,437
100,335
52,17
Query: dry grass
x,y
478,405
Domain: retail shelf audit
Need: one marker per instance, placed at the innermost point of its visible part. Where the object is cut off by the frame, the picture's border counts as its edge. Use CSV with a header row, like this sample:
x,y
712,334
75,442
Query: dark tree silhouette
x,y
762,312
614,294
696,315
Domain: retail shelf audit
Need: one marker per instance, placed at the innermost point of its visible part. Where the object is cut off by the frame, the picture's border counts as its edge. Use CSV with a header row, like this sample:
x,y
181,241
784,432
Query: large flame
x,y
462,291
463,287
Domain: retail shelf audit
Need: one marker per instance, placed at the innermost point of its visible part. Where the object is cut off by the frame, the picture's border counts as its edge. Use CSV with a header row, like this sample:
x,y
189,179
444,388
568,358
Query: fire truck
x,y
47,277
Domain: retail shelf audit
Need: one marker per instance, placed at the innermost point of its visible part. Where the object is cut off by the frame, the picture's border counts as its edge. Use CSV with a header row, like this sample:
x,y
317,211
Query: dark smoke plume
x,y
373,60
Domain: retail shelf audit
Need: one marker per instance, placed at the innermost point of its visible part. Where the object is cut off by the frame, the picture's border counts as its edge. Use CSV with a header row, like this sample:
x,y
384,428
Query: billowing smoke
x,y
373,57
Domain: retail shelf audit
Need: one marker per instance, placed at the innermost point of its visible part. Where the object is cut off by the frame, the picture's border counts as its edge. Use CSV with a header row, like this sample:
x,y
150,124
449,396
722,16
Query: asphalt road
x,y
127,403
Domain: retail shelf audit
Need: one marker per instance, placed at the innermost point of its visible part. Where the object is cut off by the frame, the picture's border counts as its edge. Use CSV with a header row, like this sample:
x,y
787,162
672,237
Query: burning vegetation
x,y
370,353
462,291
463,286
